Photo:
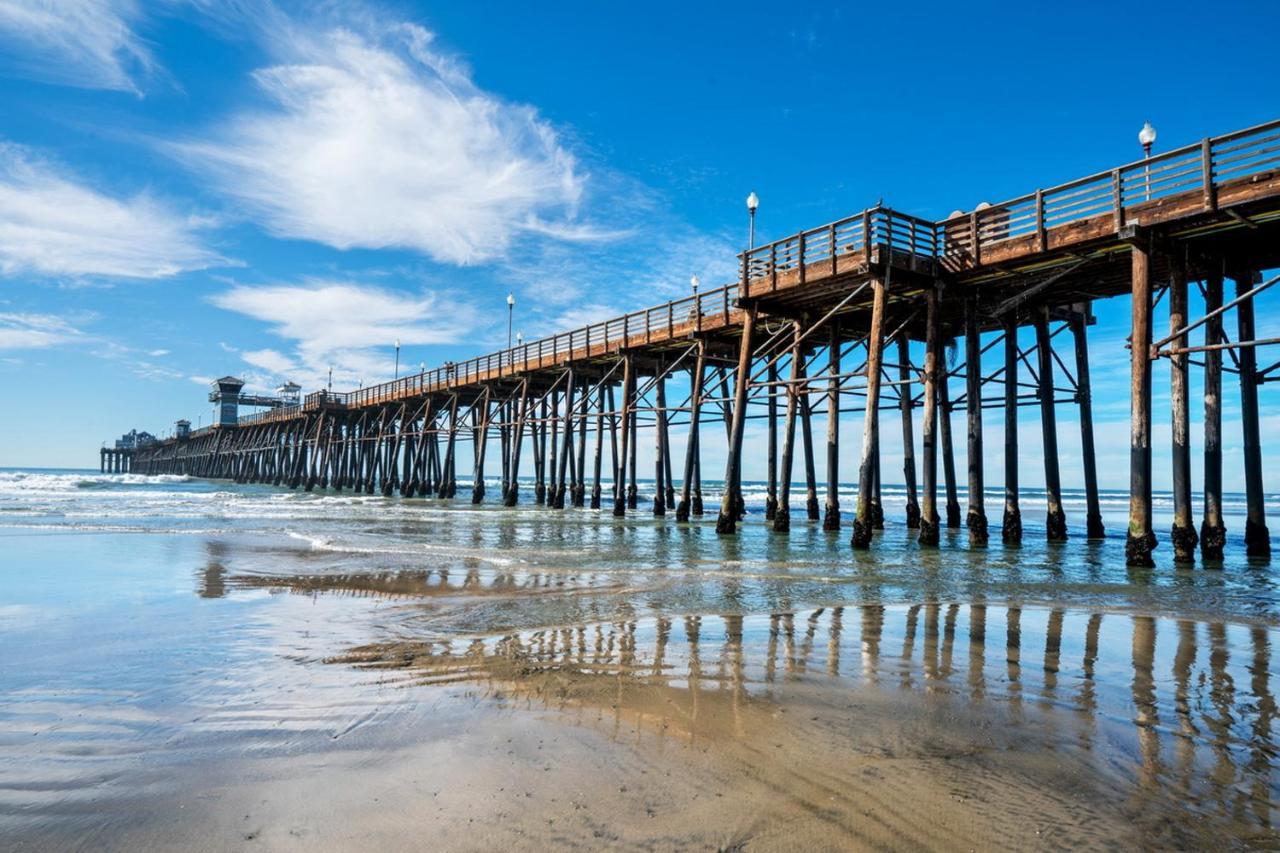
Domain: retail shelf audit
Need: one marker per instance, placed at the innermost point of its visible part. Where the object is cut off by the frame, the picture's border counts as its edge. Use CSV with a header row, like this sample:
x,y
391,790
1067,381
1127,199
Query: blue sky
x,y
191,188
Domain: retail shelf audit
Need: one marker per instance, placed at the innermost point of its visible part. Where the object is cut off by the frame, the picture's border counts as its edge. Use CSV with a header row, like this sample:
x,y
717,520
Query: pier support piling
x,y
929,425
782,517
560,487
948,450
579,493
908,432
806,434
1011,526
728,519
1213,530
659,461
831,516
597,463
864,520
691,448
1141,540
1055,522
619,479
1183,535
517,440
771,485
977,518
1084,399
1257,539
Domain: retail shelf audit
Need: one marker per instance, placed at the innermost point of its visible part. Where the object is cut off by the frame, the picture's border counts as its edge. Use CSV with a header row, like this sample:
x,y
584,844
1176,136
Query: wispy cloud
x,y
52,225
342,325
85,43
374,138
35,331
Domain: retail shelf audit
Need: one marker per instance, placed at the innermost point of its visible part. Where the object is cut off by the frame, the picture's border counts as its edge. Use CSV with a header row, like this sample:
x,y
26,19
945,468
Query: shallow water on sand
x,y
208,666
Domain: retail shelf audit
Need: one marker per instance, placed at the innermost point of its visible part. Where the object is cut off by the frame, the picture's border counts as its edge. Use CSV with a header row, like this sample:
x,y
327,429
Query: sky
x,y
191,188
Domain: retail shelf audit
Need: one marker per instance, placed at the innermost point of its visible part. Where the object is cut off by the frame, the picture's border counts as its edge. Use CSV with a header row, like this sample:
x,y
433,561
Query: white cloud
x,y
350,327
375,139
86,43
34,331
52,225
270,360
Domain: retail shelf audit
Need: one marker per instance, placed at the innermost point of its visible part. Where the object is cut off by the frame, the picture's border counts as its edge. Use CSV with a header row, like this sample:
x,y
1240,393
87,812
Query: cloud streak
x,y
52,225
372,138
35,331
86,43
342,325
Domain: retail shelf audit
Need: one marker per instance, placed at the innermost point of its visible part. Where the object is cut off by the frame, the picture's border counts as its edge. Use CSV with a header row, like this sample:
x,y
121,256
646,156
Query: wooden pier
x,y
837,320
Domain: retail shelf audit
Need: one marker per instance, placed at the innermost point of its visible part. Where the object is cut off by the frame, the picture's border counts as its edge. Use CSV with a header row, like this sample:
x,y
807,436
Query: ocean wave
x,y
30,481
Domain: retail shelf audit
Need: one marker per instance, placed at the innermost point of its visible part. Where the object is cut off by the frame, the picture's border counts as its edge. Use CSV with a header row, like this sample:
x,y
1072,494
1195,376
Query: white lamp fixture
x,y
1147,136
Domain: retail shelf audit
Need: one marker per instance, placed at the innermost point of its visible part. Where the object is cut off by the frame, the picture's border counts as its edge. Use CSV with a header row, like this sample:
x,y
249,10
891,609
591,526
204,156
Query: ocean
x,y
198,664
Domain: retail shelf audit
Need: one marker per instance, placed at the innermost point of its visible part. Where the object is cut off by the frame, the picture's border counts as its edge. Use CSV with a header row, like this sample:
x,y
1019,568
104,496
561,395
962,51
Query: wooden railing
x,y
960,242
708,308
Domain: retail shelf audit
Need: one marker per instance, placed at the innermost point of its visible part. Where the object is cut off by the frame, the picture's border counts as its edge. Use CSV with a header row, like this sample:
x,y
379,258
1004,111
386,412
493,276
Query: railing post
x,y
746,274
1117,199
866,236
832,244
800,242
1206,170
773,266
1041,231
975,247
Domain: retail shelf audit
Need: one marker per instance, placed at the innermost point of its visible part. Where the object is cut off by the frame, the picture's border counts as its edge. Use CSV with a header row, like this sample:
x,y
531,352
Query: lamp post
x,y
397,376
753,202
519,339
331,378
1147,136
511,310
693,282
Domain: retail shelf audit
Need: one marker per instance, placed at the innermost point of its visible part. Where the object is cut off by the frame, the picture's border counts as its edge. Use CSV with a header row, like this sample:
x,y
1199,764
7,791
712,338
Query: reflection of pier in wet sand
x,y
1152,710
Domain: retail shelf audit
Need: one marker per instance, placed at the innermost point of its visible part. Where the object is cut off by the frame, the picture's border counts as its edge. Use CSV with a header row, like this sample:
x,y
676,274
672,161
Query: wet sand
x,y
509,681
